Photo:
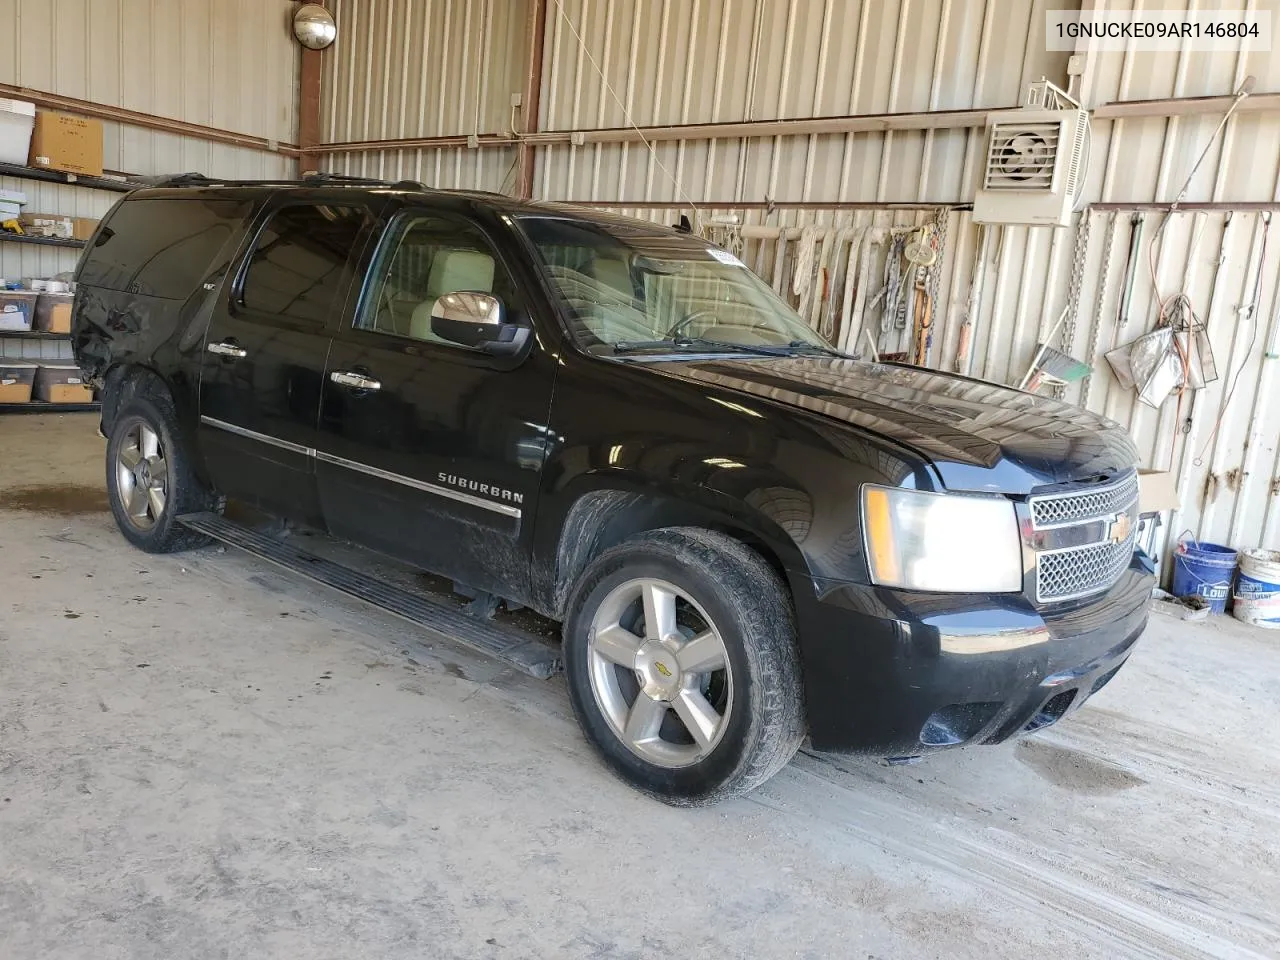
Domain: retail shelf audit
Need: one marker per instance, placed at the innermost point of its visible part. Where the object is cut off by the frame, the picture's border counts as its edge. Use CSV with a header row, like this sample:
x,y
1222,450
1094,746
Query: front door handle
x,y
357,381
228,349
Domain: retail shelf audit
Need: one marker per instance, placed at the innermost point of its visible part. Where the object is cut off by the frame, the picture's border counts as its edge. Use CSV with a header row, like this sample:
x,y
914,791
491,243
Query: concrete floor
x,y
201,756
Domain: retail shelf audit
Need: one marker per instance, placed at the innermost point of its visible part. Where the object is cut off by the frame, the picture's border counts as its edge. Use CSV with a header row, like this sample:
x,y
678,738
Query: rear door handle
x,y
227,349
357,381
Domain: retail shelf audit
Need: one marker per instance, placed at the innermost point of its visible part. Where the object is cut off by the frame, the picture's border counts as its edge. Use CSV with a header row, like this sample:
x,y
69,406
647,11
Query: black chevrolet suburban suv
x,y
749,538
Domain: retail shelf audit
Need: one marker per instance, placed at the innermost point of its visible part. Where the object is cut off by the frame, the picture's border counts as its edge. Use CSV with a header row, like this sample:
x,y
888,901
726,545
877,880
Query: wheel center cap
x,y
144,473
658,672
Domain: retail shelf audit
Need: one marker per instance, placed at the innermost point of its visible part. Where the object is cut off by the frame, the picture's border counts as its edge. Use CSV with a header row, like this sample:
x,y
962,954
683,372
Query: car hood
x,y
979,436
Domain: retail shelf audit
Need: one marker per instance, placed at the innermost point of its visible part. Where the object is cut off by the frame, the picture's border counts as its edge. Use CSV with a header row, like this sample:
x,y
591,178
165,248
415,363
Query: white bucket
x,y
1257,594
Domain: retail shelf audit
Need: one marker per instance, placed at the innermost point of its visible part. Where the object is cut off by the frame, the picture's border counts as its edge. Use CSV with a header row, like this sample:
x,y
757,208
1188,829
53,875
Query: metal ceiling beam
x,y
865,123
134,118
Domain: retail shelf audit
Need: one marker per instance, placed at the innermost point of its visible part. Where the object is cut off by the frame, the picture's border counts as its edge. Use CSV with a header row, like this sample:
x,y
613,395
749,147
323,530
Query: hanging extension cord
x,y
1245,88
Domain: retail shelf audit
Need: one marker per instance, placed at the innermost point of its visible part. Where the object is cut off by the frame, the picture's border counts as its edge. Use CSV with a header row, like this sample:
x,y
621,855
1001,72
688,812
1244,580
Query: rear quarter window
x,y
161,248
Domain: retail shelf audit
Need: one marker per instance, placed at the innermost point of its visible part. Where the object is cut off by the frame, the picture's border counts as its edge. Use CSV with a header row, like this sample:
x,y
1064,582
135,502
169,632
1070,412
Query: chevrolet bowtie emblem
x,y
1120,527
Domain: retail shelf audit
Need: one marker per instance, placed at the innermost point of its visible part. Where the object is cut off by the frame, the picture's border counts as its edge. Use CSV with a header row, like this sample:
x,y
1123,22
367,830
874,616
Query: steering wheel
x,y
678,327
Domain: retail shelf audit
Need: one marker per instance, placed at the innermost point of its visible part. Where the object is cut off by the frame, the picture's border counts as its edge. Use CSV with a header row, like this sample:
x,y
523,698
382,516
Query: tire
x,y
146,456
710,587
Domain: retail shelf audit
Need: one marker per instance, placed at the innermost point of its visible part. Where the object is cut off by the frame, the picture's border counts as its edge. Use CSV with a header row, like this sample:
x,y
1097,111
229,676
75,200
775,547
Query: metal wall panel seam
x,y
464,86
665,23
1263,334
575,112
602,95
717,92
935,88
446,46
1233,370
690,59
895,80
974,142
1229,131
788,44
859,59
628,99
820,74
551,102
484,68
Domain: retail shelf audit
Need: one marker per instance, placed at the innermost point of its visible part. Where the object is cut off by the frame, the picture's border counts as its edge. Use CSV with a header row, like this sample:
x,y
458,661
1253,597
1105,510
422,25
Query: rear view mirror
x,y
476,320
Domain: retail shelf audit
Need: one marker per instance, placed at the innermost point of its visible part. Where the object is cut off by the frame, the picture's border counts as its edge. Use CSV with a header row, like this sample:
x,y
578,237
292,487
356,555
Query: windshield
x,y
639,287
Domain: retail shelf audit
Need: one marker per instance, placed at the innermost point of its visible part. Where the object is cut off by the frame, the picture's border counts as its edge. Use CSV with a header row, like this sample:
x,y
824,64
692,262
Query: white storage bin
x,y
17,118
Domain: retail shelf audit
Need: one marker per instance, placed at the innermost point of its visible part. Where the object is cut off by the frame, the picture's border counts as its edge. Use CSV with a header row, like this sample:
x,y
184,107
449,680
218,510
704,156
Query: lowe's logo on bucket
x,y
1206,570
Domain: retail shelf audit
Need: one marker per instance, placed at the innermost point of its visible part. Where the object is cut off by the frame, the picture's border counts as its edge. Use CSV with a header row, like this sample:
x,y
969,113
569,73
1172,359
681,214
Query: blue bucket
x,y
1204,570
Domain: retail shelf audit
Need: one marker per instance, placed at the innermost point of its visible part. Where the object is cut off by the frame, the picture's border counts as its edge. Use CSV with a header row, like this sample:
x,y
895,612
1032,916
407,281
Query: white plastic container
x,y
17,118
1257,594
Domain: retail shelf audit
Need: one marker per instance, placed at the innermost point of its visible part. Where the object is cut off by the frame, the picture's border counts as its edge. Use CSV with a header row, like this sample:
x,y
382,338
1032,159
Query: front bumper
x,y
898,673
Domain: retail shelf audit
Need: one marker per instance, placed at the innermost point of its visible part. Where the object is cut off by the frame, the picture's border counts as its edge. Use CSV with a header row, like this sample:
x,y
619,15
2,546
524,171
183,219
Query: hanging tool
x,y
965,341
923,321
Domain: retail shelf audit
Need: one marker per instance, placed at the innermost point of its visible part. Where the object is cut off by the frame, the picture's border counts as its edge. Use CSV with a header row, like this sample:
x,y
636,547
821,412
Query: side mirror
x,y
477,320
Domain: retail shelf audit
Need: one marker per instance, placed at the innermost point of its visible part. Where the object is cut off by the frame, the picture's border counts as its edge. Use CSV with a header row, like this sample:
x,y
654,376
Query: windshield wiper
x,y
694,343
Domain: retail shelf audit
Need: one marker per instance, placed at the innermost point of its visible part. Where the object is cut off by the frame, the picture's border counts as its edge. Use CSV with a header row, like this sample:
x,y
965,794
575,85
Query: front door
x,y
265,351
430,451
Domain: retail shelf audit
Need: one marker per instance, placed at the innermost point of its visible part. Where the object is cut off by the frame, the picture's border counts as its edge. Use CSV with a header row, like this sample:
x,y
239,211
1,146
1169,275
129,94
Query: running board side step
x,y
497,640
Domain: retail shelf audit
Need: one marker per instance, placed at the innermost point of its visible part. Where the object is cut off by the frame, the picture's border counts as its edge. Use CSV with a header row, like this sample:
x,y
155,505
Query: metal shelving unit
x,y
52,176
7,237
41,406
72,179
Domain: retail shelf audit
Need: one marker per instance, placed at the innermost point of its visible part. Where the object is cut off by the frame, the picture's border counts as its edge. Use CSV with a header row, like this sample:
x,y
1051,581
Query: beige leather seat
x,y
451,271
613,274
616,297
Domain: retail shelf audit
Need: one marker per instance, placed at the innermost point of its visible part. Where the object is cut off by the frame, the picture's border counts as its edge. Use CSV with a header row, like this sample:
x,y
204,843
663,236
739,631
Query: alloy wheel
x,y
660,672
142,476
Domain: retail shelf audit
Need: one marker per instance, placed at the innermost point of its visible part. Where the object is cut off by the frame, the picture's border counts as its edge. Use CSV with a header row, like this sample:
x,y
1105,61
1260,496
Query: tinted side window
x,y
161,248
423,258
296,267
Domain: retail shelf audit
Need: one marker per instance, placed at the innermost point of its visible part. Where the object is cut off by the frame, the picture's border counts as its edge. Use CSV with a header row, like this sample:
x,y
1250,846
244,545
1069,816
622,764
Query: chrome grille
x,y
1077,571
1080,571
1069,508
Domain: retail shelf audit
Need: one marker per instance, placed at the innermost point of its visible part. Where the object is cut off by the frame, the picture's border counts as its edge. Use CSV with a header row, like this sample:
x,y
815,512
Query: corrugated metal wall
x,y
657,62
424,68
609,63
231,64
1148,159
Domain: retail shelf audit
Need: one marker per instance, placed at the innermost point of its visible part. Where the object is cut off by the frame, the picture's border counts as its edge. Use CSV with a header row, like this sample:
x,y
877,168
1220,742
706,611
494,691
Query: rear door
x,y
427,450
265,349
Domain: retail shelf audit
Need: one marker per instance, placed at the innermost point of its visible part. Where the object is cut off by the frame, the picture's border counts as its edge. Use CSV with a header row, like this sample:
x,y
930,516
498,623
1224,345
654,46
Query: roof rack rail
x,y
201,180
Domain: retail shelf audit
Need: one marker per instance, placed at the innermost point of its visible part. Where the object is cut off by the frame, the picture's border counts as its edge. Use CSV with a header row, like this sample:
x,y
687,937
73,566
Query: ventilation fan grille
x,y
1022,156
1074,172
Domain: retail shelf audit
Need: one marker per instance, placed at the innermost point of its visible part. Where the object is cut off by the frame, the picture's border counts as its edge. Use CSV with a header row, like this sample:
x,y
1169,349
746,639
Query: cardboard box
x,y
63,142
53,312
15,381
47,225
1157,491
17,309
61,383
82,228
17,117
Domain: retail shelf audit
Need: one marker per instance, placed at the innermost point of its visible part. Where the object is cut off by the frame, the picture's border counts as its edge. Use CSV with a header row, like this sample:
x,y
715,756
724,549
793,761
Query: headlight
x,y
941,541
